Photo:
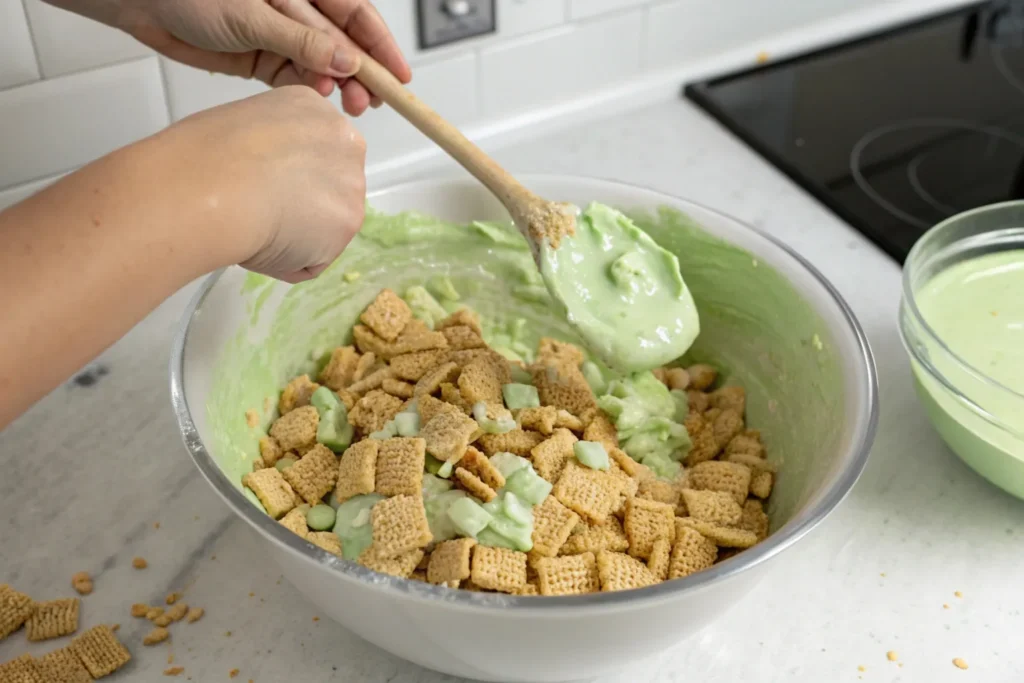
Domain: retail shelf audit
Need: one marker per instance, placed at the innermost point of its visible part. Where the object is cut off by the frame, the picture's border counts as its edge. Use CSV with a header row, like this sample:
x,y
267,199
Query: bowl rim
x,y
777,542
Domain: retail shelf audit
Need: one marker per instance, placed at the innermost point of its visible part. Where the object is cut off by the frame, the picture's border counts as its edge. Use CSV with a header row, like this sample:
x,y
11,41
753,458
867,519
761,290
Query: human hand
x,y
276,181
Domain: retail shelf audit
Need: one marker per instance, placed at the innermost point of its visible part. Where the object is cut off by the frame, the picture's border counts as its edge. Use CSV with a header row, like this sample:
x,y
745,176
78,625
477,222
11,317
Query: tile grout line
x,y
32,39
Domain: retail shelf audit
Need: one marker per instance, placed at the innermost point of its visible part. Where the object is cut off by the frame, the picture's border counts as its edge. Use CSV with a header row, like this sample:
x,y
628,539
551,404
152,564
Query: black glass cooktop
x,y
897,131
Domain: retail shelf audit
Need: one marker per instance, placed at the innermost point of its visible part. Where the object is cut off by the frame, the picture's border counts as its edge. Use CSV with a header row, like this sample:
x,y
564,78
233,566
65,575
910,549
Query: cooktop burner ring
x,y
867,139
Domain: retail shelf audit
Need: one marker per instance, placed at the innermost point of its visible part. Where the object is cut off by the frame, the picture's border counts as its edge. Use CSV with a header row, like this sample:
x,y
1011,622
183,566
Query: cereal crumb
x,y
891,655
156,525
115,627
232,673
945,605
174,671
958,594
172,598
82,583
157,635
316,618
861,668
252,418
140,563
959,663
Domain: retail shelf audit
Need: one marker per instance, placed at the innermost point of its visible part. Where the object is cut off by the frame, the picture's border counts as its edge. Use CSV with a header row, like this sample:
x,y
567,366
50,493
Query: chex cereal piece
x,y
620,572
15,609
178,612
594,538
551,456
412,366
742,443
270,451
563,418
23,669
63,666
431,382
727,537
194,615
716,475
755,463
357,473
156,636
627,464
387,315
518,441
472,484
656,489
701,376
402,566
528,588
677,379
714,507
540,419
274,493
397,387
645,522
698,401
451,394
53,619
447,435
761,484
163,621
658,562
463,316
630,486
691,553
399,526
140,610
702,437
461,337
374,380
325,540
314,475
415,337
400,463
100,651
551,351
339,371
498,569
552,524
373,411
729,398
154,613
367,364
727,425
297,428
450,561
296,394
754,519
568,575
602,430
348,398
481,380
429,408
478,463
295,522
563,387
589,493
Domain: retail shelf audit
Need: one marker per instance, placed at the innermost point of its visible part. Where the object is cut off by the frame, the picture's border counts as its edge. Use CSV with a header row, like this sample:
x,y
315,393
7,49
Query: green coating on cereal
x,y
591,454
518,396
352,524
284,463
489,425
528,485
508,463
468,517
320,517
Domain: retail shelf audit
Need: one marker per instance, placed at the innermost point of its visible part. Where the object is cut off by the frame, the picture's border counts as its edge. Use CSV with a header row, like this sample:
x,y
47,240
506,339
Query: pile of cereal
x,y
423,453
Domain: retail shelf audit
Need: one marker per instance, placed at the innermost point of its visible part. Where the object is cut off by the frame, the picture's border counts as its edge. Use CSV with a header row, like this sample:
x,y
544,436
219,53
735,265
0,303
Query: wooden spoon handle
x,y
384,85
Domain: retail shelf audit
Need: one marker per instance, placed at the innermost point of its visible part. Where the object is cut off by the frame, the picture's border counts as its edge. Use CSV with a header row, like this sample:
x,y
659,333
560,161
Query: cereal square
x,y
387,315
430,407
702,438
498,569
716,475
698,401
645,522
552,524
450,561
715,507
602,430
478,463
463,316
23,669
397,387
367,364
658,562
691,553
540,419
15,609
742,443
326,540
620,572
551,351
656,489
357,474
729,398
340,369
399,526
314,475
274,493
754,519
564,387
412,366
761,484
701,376
297,429
447,435
53,619
563,418
727,425
481,380
627,464
63,666
430,383
568,575
593,538
451,394
727,537
270,451
755,463
589,493
474,486
402,566
518,441
462,337
372,380
296,394
100,651
551,456
373,411
400,463
295,522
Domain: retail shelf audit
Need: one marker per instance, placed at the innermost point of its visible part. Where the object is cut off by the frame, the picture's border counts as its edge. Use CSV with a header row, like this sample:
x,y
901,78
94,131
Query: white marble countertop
x,y
91,471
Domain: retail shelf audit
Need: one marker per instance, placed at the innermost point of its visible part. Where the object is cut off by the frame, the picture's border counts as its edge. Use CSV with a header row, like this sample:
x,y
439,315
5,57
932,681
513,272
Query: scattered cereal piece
x,y
100,651
551,456
387,316
402,566
374,380
591,494
450,561
139,563
178,612
959,663
15,609
716,475
358,471
568,575
413,366
958,594
602,430
645,522
714,507
373,411
730,398
462,337
727,425
400,463
481,380
540,419
63,666
297,429
754,519
518,442
677,379
745,444
174,671
891,655
397,388
593,538
340,369
761,484
563,387
721,535
399,526
295,521
698,401
163,621
23,669
691,553
139,610
701,376
658,562
82,583
296,394
619,572
53,619
447,435
474,486
431,382
498,569
552,524
172,598
274,493
195,614
477,463
233,673
314,475
325,540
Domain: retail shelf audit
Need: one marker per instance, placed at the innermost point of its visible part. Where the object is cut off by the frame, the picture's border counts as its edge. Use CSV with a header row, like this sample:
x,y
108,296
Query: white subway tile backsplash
x,y
17,60
13,195
400,16
447,86
582,9
190,90
67,42
53,125
516,17
560,63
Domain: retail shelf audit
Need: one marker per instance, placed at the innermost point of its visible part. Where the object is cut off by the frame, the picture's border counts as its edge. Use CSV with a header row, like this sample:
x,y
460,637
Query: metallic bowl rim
x,y
777,542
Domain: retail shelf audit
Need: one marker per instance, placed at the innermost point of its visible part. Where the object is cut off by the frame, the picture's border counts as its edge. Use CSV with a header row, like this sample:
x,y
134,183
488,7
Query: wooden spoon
x,y
536,218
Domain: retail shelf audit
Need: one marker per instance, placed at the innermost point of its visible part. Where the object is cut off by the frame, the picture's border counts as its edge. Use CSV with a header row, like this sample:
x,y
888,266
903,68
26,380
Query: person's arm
x,y
274,182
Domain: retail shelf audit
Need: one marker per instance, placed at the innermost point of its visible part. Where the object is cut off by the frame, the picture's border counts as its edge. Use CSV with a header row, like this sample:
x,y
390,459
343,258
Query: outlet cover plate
x,y
442,22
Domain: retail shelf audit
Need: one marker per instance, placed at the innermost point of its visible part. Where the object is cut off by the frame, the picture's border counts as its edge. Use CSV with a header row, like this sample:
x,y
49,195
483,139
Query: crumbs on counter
x,y
945,605
892,656
139,563
959,663
958,594
172,598
233,673
82,583
174,671
156,636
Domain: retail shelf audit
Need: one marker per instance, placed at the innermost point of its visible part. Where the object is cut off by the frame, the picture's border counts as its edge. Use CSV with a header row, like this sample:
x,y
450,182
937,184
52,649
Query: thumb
x,y
305,46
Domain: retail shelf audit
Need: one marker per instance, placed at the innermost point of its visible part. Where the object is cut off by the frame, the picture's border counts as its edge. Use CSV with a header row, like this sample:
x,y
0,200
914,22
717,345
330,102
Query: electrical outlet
x,y
446,21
